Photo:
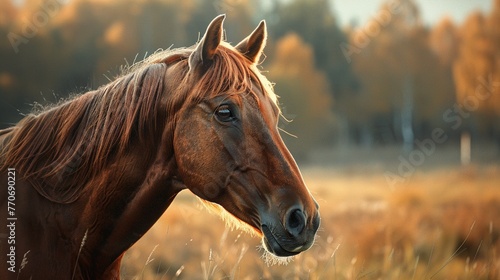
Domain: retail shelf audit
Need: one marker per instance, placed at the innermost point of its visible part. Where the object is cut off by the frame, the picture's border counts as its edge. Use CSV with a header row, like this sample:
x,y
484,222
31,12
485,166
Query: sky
x,y
431,10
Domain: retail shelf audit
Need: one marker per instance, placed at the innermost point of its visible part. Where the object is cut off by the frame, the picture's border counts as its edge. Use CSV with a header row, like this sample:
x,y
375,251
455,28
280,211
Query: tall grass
x,y
441,224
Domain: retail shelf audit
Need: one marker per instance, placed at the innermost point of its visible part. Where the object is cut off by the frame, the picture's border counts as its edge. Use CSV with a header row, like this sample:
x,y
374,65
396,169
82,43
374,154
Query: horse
x,y
85,178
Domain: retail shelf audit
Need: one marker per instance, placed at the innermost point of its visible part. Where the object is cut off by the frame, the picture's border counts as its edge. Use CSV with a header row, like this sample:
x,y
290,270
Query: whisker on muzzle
x,y
271,259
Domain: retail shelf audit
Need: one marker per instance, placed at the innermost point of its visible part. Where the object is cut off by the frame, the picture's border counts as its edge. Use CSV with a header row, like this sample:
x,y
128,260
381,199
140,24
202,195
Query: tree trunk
x,y
407,115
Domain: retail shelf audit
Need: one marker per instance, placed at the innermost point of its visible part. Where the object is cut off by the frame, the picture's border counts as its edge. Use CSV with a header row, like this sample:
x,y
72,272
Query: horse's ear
x,y
252,46
205,51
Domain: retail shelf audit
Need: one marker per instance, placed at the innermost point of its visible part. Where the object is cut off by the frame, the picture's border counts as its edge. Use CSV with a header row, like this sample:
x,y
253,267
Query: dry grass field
x,y
441,223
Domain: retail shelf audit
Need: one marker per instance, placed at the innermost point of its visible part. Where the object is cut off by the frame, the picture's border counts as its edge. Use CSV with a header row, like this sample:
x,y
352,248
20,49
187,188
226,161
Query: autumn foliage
x,y
390,80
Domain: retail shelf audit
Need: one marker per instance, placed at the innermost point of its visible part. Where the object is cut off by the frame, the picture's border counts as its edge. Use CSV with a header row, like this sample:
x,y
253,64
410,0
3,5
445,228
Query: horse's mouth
x,y
272,244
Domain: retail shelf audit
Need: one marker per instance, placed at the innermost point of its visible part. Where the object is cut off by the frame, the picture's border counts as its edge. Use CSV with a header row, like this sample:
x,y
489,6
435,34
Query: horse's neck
x,y
140,196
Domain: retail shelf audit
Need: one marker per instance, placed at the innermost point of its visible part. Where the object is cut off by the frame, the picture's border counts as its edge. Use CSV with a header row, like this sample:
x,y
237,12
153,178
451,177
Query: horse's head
x,y
228,149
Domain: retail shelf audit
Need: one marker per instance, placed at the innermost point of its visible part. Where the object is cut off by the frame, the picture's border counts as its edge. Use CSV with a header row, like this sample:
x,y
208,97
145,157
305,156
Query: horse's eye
x,y
224,113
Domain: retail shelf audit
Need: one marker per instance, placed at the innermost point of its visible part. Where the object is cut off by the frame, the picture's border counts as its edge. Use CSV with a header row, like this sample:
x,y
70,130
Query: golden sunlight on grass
x,y
442,224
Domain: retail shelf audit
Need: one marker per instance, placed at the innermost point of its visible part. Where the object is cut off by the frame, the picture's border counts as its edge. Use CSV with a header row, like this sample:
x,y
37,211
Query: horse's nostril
x,y
295,222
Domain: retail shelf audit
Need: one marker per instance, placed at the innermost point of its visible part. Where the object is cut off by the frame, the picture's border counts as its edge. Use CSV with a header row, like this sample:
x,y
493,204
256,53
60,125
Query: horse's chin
x,y
270,258
272,245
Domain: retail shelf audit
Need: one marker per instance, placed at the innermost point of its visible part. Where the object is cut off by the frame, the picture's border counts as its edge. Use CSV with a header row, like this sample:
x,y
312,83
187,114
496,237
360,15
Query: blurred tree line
x,y
388,81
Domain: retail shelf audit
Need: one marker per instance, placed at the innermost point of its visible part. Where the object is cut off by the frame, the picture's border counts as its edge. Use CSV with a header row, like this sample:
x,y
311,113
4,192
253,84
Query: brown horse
x,y
84,180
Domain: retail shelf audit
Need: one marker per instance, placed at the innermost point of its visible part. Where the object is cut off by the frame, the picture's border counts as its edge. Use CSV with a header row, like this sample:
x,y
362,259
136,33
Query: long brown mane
x,y
72,141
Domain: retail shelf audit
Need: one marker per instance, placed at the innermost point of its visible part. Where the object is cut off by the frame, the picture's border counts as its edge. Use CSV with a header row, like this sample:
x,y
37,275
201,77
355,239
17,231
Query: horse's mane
x,y
61,148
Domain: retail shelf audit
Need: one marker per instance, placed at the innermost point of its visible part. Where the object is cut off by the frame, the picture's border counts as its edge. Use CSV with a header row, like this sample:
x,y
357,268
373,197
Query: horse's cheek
x,y
190,147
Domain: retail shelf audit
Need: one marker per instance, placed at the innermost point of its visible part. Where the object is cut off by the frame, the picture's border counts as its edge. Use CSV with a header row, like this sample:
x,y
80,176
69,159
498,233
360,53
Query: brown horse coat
x,y
89,176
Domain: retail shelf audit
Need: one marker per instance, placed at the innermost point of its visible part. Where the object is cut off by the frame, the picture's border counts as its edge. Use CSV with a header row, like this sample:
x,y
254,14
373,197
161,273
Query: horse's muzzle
x,y
292,236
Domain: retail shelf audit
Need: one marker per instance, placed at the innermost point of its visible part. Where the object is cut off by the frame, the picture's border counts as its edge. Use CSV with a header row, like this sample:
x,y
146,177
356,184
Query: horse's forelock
x,y
231,72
